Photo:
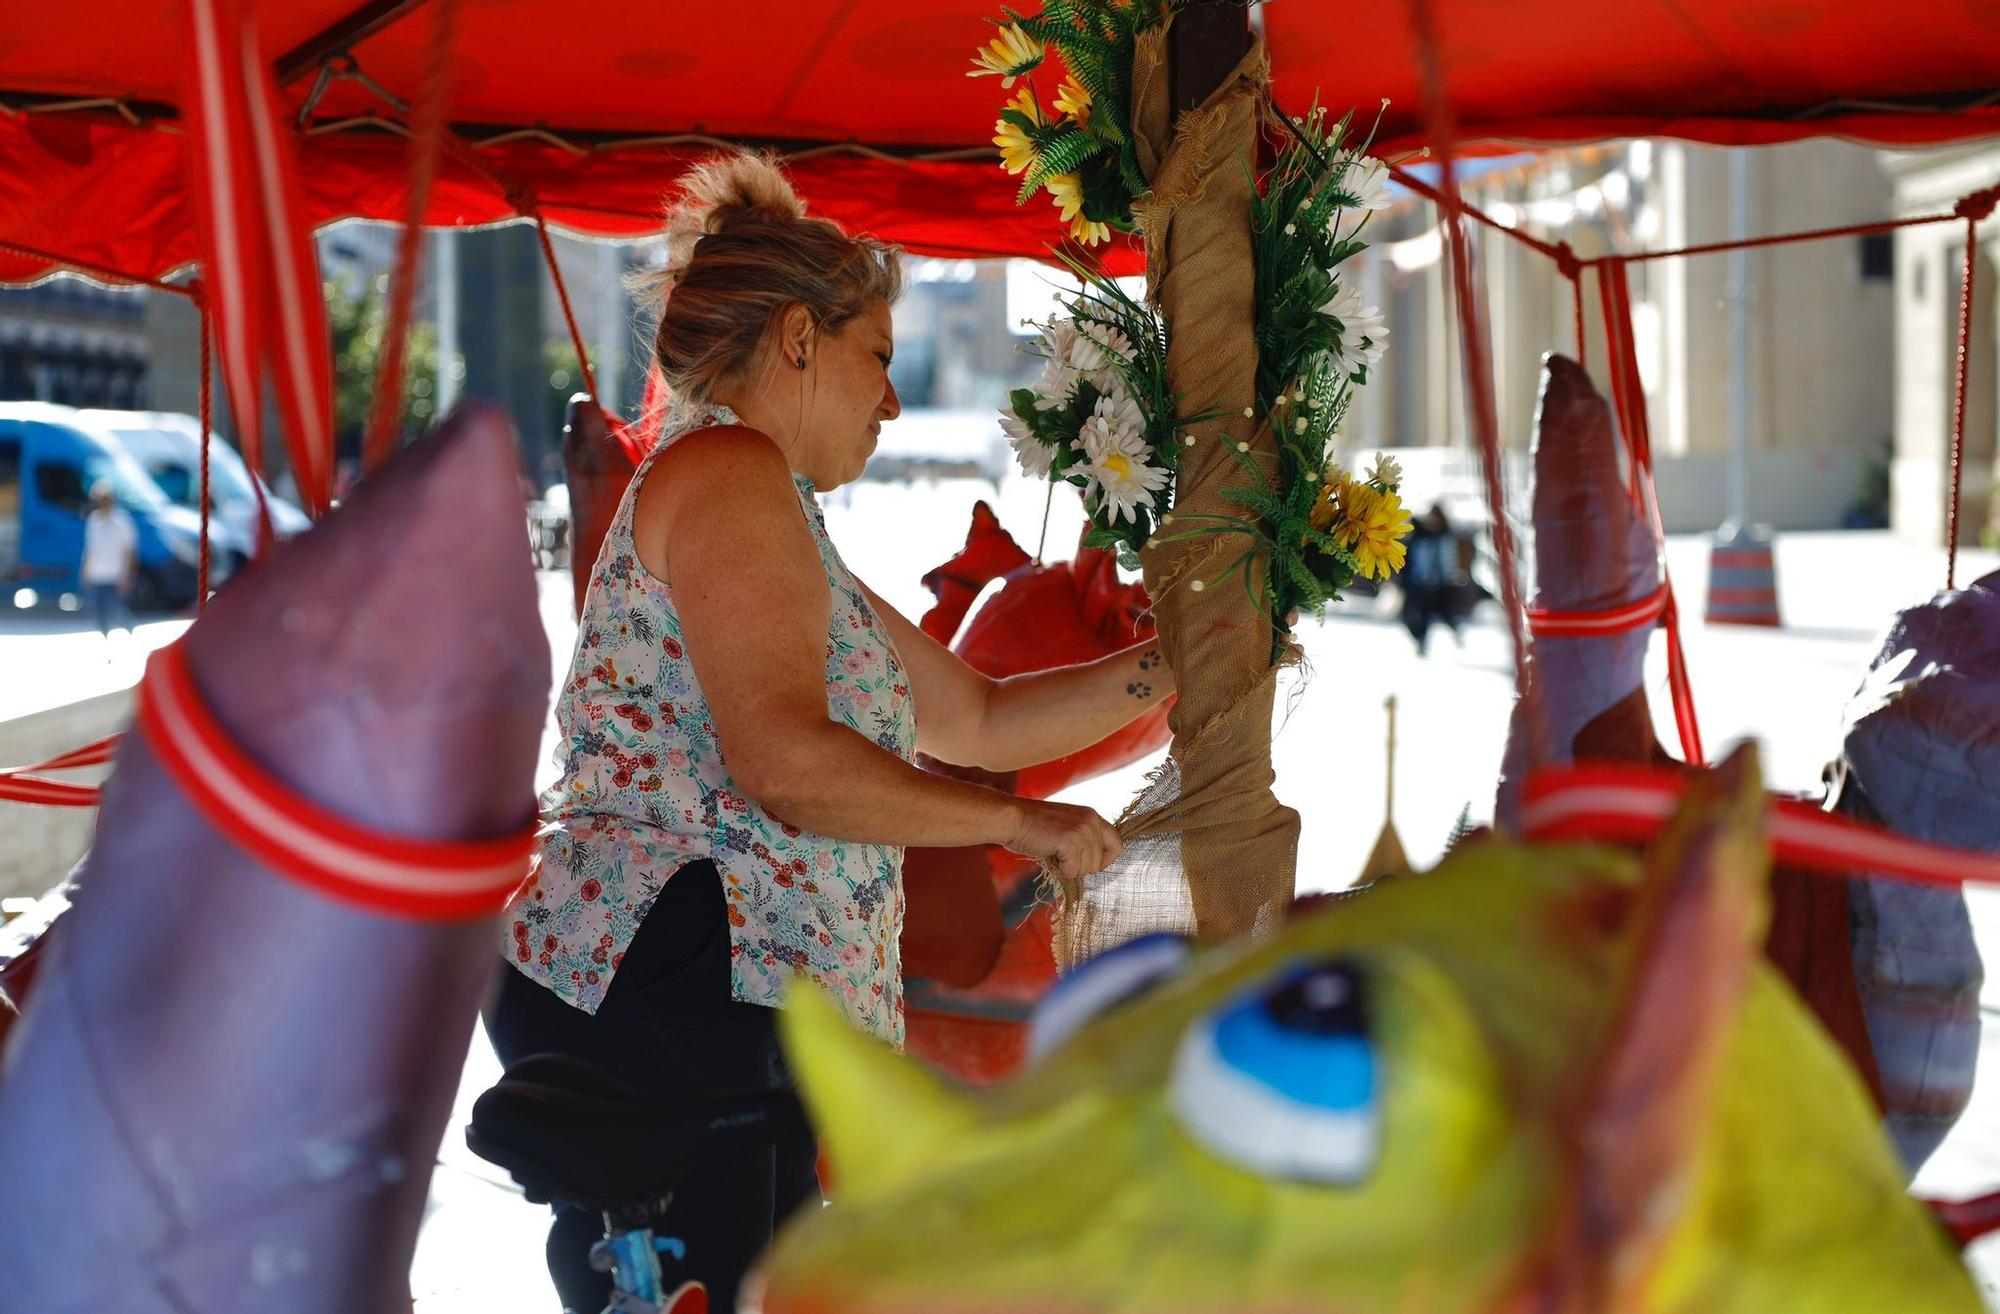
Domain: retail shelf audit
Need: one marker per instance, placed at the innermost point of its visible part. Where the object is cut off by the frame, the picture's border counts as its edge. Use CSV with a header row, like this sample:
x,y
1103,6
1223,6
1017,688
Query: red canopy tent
x,y
589,106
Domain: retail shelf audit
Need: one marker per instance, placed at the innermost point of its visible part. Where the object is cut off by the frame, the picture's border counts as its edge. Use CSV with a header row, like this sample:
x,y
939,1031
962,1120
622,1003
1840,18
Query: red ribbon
x,y
1544,623
25,784
256,245
1631,804
427,879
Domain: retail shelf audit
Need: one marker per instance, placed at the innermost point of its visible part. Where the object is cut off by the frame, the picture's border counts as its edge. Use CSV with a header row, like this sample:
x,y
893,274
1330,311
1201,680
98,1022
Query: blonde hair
x,y
741,251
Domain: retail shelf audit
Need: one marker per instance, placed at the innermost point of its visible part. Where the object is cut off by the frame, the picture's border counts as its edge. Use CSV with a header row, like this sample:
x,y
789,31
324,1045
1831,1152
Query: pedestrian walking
x,y
1429,577
110,554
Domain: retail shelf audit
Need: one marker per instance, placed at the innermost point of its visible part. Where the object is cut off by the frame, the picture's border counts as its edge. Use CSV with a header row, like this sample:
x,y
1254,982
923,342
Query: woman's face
x,y
846,397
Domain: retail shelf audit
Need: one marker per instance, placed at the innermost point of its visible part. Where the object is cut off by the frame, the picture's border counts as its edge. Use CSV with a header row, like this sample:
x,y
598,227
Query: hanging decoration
x,y
1080,148
1320,527
256,247
1102,416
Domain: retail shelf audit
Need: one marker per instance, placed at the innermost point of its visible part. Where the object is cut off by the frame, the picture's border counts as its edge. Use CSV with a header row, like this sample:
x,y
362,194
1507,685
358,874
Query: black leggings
x,y
669,1028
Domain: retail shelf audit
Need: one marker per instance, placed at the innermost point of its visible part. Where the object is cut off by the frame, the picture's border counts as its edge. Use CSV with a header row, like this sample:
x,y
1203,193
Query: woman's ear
x,y
795,337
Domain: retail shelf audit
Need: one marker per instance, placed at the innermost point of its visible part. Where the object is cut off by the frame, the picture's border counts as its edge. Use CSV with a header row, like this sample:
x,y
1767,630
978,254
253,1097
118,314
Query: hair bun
x,y
723,192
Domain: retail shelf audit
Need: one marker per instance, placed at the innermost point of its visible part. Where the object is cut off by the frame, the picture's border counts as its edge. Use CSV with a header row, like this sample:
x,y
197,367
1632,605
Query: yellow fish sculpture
x,y
1547,1080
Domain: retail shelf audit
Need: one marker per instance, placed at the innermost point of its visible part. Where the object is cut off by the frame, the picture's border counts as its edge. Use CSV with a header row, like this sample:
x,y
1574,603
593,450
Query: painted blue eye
x,y
1094,988
1283,1081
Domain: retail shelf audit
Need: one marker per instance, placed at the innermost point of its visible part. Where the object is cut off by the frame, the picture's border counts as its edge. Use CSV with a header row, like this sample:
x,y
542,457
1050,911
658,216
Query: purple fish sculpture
x,y
1921,755
232,1076
1890,970
1594,552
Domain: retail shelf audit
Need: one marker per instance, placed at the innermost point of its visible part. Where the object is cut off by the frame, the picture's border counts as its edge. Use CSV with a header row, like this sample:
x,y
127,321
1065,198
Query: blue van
x,y
49,462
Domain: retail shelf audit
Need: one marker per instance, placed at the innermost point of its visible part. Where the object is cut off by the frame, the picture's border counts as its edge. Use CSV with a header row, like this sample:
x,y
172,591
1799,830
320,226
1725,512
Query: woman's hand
x,y
1075,841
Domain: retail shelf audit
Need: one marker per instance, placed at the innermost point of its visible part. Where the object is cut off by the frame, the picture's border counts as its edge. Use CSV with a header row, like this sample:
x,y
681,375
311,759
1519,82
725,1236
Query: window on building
x,y
1878,258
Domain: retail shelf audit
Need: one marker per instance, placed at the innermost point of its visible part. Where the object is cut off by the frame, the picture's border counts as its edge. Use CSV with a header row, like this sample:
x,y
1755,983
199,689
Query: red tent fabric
x,y
870,98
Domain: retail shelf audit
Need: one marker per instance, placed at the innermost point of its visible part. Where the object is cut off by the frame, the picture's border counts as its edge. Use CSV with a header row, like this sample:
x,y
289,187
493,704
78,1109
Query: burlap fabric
x,y
1210,851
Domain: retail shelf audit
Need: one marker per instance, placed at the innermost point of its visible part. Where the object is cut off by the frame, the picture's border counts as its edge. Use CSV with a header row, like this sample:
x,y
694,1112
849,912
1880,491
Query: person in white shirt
x,y
110,553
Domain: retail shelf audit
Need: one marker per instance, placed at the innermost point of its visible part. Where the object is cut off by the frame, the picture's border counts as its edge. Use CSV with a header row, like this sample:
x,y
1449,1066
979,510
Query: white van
x,y
168,447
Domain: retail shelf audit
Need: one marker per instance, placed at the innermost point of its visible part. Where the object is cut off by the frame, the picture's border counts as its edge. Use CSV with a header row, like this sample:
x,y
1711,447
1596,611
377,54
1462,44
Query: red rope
x,y
1571,268
1478,370
522,197
1958,405
534,211
1629,400
201,593
427,135
1972,208
1780,239
1449,195
1979,203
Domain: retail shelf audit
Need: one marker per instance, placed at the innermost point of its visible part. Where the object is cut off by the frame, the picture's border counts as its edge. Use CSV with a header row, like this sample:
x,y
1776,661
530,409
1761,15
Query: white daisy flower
x,y
1364,335
1119,415
1367,180
1036,457
1059,374
1386,471
1364,188
1098,354
1114,444
1095,345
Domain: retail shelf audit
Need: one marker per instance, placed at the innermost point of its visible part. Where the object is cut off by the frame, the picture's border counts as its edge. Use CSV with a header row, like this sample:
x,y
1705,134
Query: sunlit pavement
x,y
481,1247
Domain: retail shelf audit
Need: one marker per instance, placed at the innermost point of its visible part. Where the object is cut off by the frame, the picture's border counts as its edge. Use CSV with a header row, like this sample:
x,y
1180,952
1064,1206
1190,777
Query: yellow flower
x,y
1370,523
1010,54
1089,231
1372,526
1327,509
1073,100
1017,150
1067,189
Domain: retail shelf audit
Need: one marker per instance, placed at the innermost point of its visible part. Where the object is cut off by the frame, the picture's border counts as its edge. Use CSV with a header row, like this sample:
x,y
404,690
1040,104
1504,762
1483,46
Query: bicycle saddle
x,y
568,1131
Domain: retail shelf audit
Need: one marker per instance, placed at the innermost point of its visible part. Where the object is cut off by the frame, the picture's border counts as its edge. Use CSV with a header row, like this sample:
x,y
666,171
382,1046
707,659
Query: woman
x,y
741,720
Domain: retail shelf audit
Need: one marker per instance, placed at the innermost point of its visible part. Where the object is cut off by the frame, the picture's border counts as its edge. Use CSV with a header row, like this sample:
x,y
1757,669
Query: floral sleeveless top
x,y
646,789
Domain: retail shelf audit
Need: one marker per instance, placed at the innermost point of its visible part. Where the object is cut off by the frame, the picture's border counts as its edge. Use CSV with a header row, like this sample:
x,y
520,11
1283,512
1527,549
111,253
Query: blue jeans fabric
x,y
107,604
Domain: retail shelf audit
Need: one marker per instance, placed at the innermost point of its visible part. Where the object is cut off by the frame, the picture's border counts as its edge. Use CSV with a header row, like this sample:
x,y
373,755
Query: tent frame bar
x,y
342,35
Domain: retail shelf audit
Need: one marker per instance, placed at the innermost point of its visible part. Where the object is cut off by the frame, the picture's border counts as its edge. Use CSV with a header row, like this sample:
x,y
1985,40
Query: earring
x,y
802,362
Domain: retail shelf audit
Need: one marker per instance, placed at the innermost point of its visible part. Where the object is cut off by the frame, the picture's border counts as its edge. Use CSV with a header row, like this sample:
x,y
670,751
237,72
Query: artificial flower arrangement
x,y
1079,149
1101,416
1319,526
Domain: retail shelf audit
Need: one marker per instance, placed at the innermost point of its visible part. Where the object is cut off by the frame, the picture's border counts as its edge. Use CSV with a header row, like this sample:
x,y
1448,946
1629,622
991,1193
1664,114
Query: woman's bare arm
x,y
720,520
971,719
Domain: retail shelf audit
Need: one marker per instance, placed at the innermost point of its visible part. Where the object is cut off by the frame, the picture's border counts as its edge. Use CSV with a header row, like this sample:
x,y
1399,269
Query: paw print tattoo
x,y
1150,660
1139,690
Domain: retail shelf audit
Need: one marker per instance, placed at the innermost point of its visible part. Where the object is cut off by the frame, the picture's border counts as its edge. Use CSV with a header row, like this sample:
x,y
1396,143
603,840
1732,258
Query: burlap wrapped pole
x,y
1210,849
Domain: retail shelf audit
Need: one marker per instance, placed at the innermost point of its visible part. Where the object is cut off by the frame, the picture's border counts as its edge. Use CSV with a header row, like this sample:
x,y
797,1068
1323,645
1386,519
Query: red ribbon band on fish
x,y
1631,804
1544,623
428,879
